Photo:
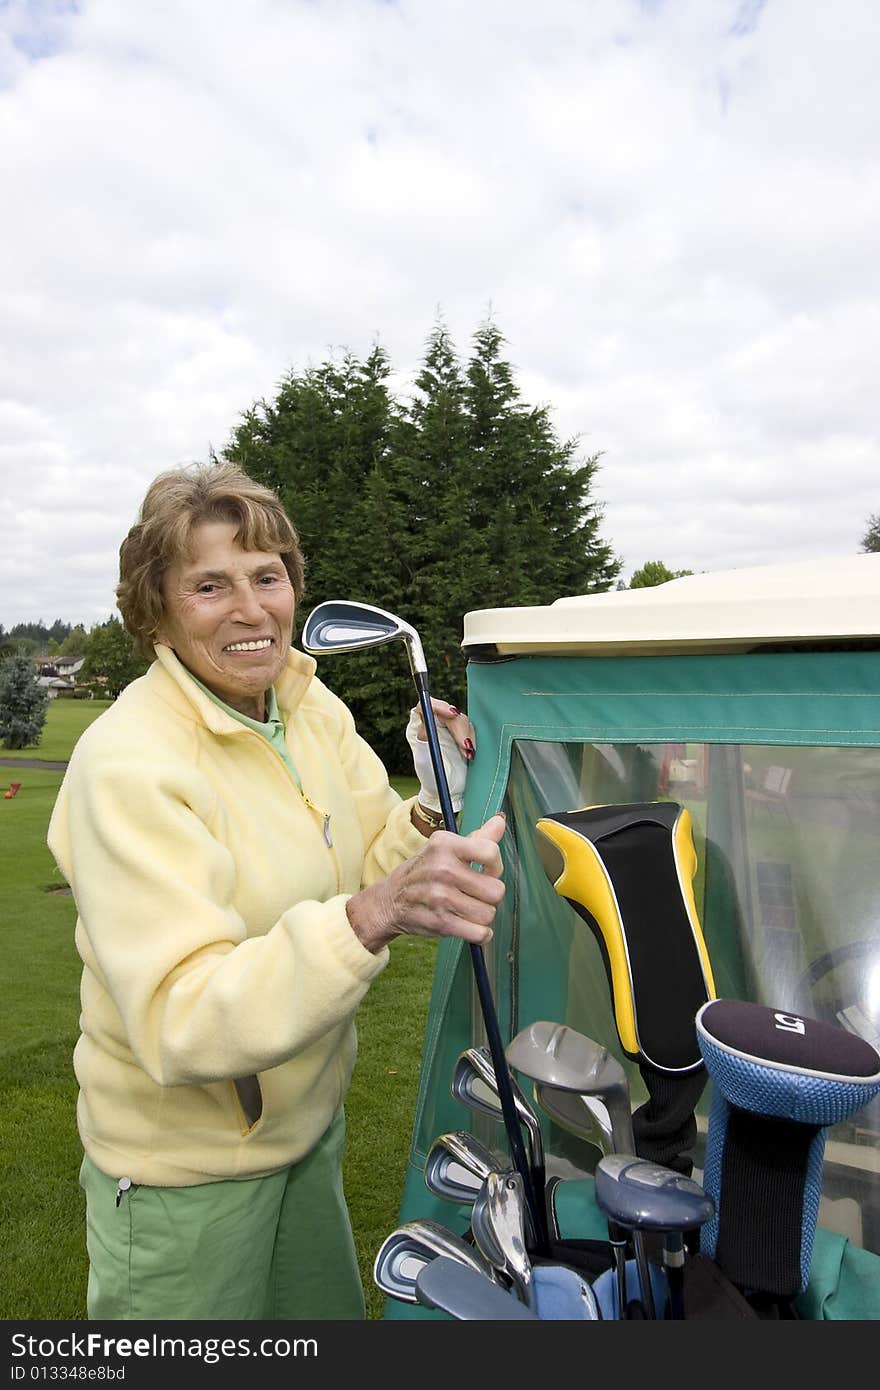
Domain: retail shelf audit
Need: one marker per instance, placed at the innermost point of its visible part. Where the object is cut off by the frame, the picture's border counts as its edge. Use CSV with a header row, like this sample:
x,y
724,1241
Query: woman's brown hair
x,y
176,502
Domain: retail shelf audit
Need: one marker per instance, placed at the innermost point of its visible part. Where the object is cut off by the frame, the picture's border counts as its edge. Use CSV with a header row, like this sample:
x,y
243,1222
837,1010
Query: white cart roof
x,y
726,610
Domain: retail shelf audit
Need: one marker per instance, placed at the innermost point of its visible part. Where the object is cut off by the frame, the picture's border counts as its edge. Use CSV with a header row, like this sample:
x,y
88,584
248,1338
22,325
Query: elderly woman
x,y
239,863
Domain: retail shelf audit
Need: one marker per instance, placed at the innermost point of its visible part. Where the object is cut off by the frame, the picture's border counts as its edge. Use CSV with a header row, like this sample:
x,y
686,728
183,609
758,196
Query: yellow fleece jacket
x,y
212,924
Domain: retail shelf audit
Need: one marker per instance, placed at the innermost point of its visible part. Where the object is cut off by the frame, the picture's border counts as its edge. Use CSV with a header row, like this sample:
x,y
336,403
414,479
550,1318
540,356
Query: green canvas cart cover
x,y
752,697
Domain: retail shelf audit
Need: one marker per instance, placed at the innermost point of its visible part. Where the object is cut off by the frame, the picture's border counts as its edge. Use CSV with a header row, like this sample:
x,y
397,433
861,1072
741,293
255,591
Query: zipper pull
x,y
122,1187
328,838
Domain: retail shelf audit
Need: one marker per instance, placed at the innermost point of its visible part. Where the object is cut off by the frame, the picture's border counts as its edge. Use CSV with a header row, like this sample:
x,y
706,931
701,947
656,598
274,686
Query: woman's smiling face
x,y
229,616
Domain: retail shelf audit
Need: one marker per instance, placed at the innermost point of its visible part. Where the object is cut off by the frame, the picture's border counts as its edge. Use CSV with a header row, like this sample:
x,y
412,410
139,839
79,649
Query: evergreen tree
x,y
22,703
316,445
530,492
74,644
16,645
461,498
871,538
323,445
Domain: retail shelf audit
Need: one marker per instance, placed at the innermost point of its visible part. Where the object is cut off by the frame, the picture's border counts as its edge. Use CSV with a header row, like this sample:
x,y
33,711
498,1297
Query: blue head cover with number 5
x,y
778,1081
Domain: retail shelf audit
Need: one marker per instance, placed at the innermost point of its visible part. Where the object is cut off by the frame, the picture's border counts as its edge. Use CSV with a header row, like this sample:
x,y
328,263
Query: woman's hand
x,y
438,892
455,734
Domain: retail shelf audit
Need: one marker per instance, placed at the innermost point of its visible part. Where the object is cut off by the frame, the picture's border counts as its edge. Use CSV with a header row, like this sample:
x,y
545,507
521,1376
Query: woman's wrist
x,y
426,821
367,925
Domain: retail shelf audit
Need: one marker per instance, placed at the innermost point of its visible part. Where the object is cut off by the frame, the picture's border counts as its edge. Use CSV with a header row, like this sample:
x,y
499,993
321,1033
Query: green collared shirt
x,y
272,729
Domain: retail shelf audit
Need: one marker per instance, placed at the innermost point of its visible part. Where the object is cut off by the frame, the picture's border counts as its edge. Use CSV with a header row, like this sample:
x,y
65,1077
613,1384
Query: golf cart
x,y
751,699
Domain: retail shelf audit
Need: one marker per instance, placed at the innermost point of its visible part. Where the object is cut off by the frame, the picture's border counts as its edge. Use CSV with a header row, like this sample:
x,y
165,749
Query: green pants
x,y
259,1249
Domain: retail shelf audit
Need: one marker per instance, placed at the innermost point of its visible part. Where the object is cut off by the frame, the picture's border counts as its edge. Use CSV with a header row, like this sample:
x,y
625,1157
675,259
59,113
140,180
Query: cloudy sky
x,y
672,208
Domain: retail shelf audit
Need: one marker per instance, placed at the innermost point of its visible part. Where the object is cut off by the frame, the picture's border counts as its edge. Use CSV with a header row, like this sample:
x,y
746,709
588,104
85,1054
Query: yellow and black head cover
x,y
628,871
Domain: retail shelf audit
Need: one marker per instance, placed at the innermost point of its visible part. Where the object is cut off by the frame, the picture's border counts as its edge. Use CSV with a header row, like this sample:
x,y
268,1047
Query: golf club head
x,y
404,1253
482,1232
466,1295
646,1196
457,1166
586,1117
558,1056
341,625
505,1218
474,1083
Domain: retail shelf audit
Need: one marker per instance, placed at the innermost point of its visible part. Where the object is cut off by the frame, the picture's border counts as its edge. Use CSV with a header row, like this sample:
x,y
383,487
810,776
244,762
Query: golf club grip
x,y
484,990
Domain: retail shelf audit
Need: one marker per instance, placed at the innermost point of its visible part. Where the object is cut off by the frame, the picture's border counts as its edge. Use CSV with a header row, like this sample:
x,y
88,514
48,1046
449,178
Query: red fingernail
x,y
469,748
454,710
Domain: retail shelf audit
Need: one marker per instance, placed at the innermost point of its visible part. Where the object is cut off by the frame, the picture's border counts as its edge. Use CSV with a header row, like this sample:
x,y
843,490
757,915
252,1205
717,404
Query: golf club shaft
x,y
644,1272
617,1237
535,1200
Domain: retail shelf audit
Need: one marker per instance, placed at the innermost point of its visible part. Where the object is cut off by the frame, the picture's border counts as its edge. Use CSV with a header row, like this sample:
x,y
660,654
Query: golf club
x,y
583,1116
457,1165
498,1224
340,625
466,1295
475,1084
404,1253
556,1055
645,1196
553,1291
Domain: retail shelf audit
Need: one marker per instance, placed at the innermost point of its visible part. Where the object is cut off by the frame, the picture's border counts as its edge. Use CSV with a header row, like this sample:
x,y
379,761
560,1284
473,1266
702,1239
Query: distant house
x,y
55,685
68,666
57,674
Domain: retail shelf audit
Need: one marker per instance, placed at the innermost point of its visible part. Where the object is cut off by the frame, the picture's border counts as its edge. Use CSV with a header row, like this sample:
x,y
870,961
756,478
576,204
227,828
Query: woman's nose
x,y
246,603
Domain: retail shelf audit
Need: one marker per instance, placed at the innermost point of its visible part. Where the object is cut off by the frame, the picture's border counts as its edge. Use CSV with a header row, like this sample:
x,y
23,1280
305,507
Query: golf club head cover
x,y
628,872
778,1082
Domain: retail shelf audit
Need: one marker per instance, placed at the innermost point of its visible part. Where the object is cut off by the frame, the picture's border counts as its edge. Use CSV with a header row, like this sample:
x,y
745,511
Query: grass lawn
x,y
42,1211
65,721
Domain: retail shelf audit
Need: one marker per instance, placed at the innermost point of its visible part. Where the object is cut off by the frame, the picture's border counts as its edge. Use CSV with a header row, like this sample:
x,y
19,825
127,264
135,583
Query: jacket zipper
x,y
325,815
328,838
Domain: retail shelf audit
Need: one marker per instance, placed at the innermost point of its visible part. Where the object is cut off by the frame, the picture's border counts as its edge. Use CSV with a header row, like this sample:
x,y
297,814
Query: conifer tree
x,y
23,703
871,538
462,497
316,444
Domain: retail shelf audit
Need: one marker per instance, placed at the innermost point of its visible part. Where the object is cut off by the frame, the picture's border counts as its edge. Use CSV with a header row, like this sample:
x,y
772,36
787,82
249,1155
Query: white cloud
x,y
672,208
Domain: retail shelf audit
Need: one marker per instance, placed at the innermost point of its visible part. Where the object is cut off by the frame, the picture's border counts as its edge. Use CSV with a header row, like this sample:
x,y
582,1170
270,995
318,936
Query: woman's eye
x,y
207,589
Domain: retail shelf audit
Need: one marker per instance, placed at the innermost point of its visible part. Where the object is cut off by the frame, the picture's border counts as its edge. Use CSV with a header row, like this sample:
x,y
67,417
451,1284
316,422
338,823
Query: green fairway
x,y
65,721
42,1213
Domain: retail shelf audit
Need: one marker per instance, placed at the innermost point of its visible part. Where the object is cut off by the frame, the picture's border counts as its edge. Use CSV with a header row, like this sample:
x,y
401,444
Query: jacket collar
x,y
290,687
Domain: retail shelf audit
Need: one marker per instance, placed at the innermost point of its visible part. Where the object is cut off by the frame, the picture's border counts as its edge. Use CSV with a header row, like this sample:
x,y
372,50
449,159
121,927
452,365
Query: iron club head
x,y
341,625
466,1295
457,1165
584,1116
556,1055
404,1253
498,1223
474,1083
